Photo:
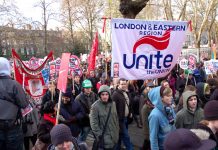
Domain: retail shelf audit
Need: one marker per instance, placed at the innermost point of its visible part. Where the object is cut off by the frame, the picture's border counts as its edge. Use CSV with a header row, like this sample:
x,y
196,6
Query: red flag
x,y
31,79
104,24
93,53
63,72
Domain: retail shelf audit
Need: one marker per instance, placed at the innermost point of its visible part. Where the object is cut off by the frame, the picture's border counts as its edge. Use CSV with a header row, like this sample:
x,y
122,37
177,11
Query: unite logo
x,y
159,43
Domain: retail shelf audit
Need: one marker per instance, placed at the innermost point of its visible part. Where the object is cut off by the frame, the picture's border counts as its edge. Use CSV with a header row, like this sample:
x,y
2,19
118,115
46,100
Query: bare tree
x,y
68,15
47,14
88,15
198,26
210,26
130,8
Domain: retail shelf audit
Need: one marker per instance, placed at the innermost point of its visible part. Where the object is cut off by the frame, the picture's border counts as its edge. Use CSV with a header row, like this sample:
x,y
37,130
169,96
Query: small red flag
x,y
190,25
63,72
93,53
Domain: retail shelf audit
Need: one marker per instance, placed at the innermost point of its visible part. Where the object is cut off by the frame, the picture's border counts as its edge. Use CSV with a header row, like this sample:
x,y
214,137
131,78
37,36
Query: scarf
x,y
50,118
170,116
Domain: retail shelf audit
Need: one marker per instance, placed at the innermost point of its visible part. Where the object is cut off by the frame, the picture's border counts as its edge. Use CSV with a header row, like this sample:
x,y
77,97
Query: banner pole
x,y
52,95
73,83
59,104
24,81
187,80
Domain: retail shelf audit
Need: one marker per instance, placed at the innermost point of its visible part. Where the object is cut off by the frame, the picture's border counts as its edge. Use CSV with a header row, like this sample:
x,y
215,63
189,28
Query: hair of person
x,y
181,71
204,122
165,91
121,79
213,82
190,88
163,81
52,82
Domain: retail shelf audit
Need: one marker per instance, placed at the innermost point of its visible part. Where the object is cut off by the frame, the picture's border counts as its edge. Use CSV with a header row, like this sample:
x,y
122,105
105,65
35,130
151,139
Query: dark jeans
x,y
124,136
11,139
84,133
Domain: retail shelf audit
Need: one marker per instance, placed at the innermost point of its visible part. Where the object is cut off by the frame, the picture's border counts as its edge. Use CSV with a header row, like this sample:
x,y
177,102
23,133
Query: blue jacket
x,y
159,125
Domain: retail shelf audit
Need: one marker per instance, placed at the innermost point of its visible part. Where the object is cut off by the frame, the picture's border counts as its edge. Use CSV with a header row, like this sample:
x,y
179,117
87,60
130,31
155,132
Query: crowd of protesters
x,y
178,112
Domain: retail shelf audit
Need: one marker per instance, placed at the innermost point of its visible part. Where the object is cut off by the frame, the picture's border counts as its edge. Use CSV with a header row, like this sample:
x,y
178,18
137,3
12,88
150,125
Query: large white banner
x,y
145,49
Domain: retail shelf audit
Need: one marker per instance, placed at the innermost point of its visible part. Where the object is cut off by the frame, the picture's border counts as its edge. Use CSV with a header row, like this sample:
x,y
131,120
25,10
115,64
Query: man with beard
x,y
71,112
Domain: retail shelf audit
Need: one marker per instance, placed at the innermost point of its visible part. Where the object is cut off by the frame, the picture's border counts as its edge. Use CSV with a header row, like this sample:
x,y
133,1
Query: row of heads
x,y
85,84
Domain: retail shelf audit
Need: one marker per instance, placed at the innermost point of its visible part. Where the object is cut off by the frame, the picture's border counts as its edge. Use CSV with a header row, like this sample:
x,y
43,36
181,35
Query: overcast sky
x,y
26,7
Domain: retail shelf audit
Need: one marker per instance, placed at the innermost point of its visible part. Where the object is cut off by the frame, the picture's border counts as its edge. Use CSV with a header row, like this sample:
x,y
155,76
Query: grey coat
x,y
32,121
185,118
98,116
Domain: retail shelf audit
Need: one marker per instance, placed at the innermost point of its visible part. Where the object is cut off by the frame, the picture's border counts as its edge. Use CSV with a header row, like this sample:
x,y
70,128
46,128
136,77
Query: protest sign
x,y
192,60
183,64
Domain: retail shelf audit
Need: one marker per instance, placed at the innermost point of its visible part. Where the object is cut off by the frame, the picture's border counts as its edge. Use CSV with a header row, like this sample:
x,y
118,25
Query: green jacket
x,y
186,118
98,117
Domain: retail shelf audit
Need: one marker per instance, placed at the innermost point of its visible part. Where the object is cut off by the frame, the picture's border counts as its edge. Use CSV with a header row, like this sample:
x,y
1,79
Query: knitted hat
x,y
211,110
5,68
68,93
60,133
184,139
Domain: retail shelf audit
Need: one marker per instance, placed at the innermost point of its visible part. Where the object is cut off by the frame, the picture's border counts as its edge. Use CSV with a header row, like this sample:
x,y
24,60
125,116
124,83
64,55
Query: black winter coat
x,y
120,101
86,102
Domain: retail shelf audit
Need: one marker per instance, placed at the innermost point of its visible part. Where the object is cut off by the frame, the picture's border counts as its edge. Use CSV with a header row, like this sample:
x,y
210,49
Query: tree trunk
x,y
130,9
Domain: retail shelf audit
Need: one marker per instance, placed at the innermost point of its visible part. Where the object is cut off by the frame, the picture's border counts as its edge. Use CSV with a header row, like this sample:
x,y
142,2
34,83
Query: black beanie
x,y
211,110
60,134
68,93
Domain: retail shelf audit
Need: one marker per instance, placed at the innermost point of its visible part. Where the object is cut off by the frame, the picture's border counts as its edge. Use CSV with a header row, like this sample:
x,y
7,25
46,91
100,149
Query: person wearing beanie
x,y
184,139
12,100
61,138
210,122
86,98
162,117
191,113
71,112
102,108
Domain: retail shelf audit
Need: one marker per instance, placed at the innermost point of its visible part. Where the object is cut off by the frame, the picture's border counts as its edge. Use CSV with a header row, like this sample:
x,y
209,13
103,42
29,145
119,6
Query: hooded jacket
x,y
159,125
98,117
5,68
185,118
12,95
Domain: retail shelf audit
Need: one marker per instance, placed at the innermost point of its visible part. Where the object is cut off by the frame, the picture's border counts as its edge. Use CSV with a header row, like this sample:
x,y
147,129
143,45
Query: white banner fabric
x,y
145,49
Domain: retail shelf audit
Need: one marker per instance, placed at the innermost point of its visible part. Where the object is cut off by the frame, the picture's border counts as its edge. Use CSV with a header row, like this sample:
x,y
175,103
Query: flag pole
x,y
59,105
73,83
